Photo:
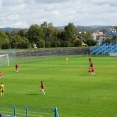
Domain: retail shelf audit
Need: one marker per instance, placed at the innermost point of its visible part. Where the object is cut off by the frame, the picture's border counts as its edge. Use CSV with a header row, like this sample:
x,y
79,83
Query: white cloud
x,y
17,7
20,24
56,12
32,1
0,3
13,17
23,13
102,2
53,1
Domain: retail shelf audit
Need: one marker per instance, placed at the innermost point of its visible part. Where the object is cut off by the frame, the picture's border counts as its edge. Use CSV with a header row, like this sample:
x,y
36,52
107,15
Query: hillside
x,y
87,28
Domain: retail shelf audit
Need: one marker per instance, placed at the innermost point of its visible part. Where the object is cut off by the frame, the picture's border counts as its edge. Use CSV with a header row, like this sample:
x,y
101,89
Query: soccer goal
x,y
4,60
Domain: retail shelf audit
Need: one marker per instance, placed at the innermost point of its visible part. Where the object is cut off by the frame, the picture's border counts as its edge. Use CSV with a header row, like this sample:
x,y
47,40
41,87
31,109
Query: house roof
x,y
100,33
81,38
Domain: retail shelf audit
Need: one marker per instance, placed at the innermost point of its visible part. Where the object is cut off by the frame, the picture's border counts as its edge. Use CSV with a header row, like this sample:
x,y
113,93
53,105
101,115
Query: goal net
x,y
4,60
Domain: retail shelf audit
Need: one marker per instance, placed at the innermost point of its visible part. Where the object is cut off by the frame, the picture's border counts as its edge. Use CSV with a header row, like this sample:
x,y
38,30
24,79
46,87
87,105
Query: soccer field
x,y
68,87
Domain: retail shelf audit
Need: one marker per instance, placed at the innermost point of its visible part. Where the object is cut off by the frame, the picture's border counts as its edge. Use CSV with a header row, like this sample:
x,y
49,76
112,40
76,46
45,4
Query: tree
x,y
23,45
44,26
6,45
35,33
87,36
61,35
65,44
108,40
8,34
15,40
3,38
47,44
91,42
41,44
13,33
78,43
70,32
55,43
22,32
51,33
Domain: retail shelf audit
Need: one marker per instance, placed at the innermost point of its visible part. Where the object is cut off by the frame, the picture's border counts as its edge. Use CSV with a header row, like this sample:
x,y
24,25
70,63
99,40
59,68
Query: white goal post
x,y
4,60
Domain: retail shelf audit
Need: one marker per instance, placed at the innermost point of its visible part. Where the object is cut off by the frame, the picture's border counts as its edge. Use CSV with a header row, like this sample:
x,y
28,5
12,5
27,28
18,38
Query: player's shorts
x,y
42,89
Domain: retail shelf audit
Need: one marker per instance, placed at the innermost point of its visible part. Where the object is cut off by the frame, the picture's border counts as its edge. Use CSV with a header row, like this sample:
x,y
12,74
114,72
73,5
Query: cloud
x,y
10,2
13,17
52,1
0,3
103,2
24,13
19,24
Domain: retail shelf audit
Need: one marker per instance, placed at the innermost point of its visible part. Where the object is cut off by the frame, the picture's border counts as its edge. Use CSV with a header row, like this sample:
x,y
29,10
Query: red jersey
x,y
16,66
91,64
0,74
42,86
92,69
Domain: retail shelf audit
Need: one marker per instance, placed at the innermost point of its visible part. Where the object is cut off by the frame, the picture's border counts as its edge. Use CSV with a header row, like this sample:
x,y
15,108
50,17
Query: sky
x,y
24,13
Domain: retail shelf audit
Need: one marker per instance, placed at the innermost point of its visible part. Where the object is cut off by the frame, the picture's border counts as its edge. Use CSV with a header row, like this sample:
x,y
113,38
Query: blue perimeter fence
x,y
22,56
24,111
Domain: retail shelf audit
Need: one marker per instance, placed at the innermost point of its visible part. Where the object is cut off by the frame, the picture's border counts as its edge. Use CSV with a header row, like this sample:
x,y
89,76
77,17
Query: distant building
x,y
111,30
111,33
84,43
98,36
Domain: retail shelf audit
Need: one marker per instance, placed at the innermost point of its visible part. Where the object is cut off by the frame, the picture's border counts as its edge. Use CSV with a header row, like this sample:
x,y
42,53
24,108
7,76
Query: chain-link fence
x,y
24,111
19,56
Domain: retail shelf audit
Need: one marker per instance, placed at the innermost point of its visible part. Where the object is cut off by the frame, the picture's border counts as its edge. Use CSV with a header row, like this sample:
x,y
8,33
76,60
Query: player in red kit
x,y
91,64
16,67
42,87
0,74
93,70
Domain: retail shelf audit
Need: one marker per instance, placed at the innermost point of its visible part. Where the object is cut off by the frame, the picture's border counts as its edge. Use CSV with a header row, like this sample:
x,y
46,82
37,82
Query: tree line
x,y
44,36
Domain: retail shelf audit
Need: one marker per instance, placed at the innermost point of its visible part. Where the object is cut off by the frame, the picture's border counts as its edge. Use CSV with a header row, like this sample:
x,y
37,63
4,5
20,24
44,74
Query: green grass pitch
x,y
68,86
